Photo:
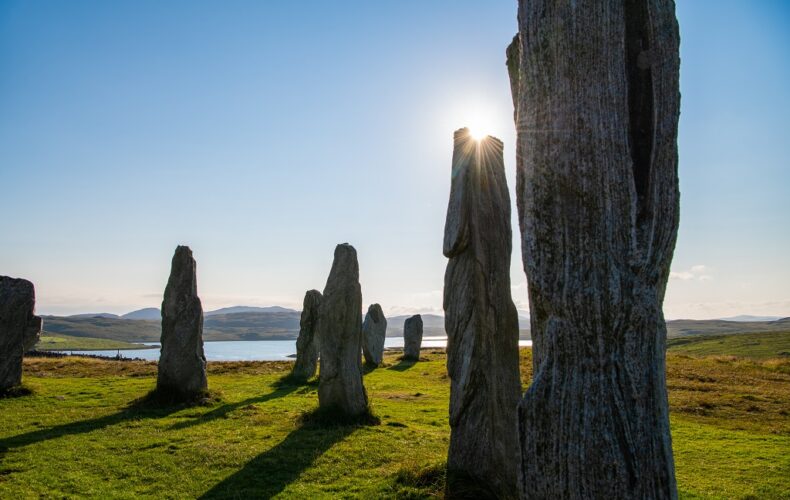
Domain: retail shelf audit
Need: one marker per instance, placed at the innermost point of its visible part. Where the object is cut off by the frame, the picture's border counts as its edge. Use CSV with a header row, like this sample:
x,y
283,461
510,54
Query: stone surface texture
x,y
19,328
481,322
596,92
374,332
412,337
182,363
340,387
308,343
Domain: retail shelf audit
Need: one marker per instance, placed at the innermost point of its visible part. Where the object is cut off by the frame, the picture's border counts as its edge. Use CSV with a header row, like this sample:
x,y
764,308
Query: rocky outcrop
x,y
182,363
307,344
597,101
340,387
19,328
481,323
412,337
374,332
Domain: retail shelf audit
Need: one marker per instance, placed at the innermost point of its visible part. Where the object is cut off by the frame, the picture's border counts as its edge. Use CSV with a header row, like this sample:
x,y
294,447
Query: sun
x,y
476,133
480,123
480,115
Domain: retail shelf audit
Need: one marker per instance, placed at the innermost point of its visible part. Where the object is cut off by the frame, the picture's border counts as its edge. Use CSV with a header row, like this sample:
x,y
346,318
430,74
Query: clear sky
x,y
263,133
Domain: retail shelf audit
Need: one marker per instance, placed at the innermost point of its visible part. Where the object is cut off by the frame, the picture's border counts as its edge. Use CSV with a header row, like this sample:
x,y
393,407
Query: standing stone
x,y
481,322
32,333
596,93
412,337
340,386
374,331
18,328
182,364
307,344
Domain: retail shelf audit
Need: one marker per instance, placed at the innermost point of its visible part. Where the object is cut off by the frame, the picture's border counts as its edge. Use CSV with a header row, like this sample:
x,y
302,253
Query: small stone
x,y
374,332
182,363
307,344
19,328
412,338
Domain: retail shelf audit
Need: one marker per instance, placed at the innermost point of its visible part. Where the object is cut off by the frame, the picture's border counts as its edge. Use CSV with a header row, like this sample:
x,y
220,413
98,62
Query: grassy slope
x,y
747,345
78,436
60,342
689,327
241,326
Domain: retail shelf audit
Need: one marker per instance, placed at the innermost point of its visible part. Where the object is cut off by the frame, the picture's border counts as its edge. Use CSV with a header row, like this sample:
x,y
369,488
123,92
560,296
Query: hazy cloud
x,y
699,272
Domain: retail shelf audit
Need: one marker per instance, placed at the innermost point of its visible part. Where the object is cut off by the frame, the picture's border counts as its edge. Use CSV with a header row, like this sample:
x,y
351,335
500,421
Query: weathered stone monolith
x,y
597,101
33,333
374,332
182,363
307,344
412,338
340,388
481,323
18,328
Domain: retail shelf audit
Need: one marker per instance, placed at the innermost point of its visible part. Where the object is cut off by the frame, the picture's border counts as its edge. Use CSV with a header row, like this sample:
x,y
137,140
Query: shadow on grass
x,y
283,387
420,481
148,406
273,470
369,367
15,392
403,365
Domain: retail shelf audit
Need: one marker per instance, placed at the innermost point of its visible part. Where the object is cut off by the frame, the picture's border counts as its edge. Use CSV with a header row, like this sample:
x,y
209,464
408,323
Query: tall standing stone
x,y
412,337
596,93
307,344
182,363
18,328
481,322
374,332
340,387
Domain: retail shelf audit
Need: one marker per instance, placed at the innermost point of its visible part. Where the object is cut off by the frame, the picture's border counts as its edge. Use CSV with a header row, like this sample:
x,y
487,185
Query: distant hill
x,y
104,328
690,327
151,313
279,323
248,309
238,326
747,317
432,320
94,315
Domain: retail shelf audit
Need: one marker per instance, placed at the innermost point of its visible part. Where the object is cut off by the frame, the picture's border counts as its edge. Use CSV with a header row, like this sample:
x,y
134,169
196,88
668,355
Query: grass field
x,y
81,433
746,345
60,342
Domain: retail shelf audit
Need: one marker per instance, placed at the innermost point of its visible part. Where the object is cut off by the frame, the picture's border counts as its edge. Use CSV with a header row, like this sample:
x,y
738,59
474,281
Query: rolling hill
x,y
148,313
278,323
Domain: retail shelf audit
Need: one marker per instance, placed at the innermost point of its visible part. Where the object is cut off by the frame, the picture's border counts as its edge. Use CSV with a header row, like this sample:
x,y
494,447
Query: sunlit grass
x,y
85,432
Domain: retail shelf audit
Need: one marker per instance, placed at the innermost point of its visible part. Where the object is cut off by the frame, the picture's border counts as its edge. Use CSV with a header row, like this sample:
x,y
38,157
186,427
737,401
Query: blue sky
x,y
263,133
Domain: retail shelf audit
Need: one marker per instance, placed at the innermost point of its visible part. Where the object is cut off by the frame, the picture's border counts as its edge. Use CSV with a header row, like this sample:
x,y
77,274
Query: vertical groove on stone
x,y
597,107
481,322
640,96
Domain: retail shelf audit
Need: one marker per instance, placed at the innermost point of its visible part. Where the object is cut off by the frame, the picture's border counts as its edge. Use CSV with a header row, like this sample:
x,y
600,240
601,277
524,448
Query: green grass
x,y
747,345
86,431
60,342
